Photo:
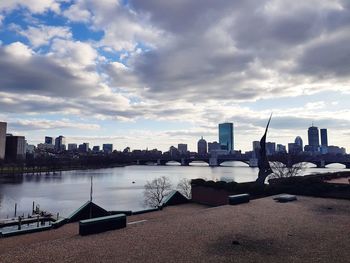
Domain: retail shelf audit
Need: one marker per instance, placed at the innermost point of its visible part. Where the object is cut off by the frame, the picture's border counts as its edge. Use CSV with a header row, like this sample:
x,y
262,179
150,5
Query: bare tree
x,y
156,190
184,187
281,170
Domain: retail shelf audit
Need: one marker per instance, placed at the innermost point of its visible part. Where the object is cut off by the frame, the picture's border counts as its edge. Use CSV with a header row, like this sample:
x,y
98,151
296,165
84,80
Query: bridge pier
x,y
253,162
213,161
138,162
184,162
321,164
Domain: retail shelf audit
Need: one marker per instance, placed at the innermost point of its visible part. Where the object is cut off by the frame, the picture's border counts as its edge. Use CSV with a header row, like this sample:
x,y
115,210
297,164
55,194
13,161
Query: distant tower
x,y
298,144
60,143
48,140
226,136
313,137
202,146
324,137
3,127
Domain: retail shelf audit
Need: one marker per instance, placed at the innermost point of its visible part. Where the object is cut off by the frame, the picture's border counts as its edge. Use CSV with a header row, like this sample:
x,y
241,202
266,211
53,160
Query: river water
x,y
118,188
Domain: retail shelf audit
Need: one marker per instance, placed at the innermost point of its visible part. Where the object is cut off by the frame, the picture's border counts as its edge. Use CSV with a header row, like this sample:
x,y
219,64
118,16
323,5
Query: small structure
x,y
101,224
238,199
284,198
174,198
87,211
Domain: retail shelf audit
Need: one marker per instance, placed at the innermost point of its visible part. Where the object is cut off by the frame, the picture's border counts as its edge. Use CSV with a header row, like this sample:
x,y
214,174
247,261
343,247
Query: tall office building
x,y
15,148
182,148
324,137
48,140
60,143
270,148
3,127
298,147
226,136
84,147
107,148
313,136
202,147
72,146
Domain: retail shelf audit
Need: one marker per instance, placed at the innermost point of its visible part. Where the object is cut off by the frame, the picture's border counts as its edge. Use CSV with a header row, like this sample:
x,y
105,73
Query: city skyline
x,y
144,79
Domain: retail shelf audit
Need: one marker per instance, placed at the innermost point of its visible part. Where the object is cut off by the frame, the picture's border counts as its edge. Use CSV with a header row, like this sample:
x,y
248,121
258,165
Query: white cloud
x,y
18,49
34,6
42,35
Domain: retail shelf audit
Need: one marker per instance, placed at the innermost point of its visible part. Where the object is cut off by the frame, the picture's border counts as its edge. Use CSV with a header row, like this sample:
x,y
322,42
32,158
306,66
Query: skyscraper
x,y
3,126
313,136
107,148
48,140
202,146
182,148
60,143
15,147
298,144
324,137
226,136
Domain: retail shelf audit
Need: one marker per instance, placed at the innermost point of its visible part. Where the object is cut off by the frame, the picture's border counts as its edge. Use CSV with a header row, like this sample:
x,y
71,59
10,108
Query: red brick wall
x,y
209,196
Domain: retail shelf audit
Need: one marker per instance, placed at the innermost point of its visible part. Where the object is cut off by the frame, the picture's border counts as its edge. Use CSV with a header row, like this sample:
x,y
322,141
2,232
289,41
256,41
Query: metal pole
x,y
15,209
19,223
33,208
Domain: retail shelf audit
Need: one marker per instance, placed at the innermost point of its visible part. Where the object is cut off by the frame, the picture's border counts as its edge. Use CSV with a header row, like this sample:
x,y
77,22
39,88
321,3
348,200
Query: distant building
x,y
84,147
107,148
202,147
48,140
281,148
270,148
213,147
96,149
60,143
182,148
226,136
324,137
313,137
292,148
256,149
15,148
298,144
3,127
173,151
334,150
72,147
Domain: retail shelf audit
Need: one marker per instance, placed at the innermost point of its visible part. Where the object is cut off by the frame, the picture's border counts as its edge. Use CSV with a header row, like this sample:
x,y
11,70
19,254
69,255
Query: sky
x,y
157,73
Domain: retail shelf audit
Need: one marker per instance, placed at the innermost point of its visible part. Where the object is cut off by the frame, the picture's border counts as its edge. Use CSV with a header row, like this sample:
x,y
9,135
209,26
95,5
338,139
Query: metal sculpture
x,y
264,165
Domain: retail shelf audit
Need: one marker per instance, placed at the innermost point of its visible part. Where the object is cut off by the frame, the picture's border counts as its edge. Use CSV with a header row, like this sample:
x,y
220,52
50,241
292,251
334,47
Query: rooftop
x,y
307,230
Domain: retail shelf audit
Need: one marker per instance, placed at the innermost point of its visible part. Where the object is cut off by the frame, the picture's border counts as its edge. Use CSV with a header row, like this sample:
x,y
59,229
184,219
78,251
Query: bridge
x,y
319,161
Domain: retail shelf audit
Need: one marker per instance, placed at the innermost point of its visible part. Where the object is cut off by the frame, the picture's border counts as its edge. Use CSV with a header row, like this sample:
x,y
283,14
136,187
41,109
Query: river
x,y
118,188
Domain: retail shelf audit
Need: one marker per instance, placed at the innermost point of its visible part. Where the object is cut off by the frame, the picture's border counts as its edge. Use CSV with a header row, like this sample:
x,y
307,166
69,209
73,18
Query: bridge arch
x,y
337,165
233,163
198,163
173,163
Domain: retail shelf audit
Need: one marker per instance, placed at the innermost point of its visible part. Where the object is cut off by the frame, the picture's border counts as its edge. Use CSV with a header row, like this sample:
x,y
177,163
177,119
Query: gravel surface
x,y
307,230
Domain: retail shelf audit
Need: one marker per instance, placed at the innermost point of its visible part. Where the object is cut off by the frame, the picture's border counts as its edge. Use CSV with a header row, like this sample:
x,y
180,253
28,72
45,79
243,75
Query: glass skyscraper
x,y
226,136
324,137
313,136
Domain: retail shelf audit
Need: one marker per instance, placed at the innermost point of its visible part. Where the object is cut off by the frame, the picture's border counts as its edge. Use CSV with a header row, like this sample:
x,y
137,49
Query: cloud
x,y
41,124
34,6
42,35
